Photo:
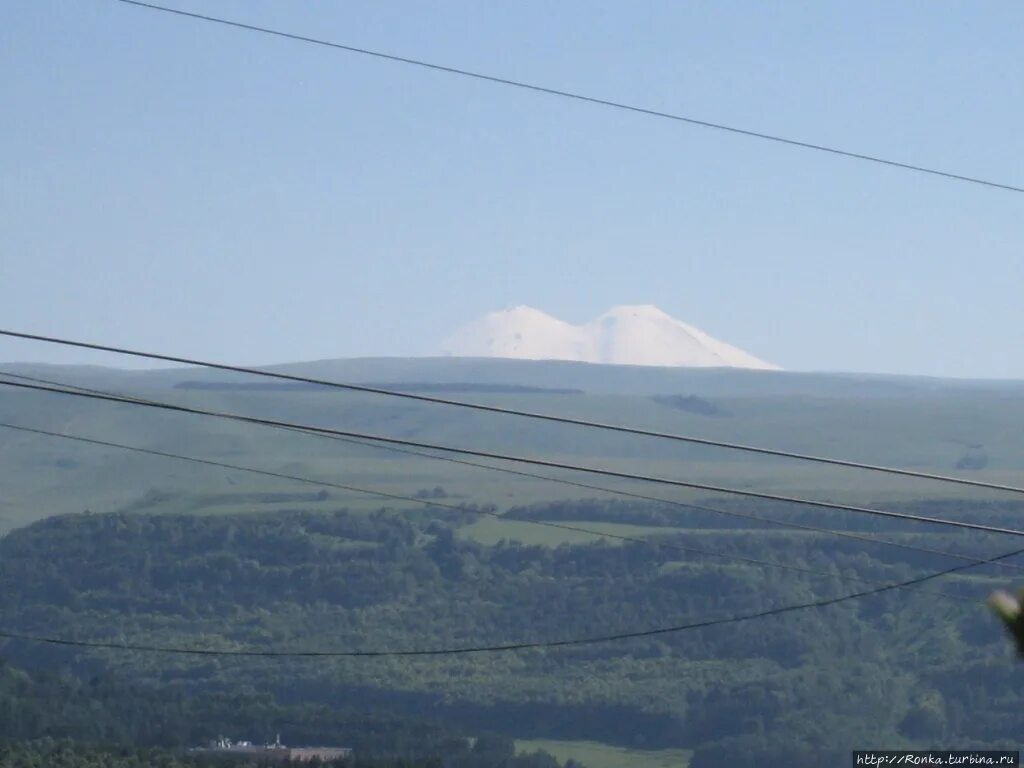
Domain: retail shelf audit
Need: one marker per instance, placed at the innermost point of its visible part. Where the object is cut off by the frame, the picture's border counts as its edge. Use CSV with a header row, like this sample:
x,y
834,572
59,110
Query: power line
x,y
465,509
581,97
508,647
562,481
452,651
660,500
527,460
548,417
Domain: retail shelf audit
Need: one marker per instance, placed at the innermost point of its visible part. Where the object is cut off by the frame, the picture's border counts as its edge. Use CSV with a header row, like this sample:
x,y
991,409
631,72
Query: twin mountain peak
x,y
625,335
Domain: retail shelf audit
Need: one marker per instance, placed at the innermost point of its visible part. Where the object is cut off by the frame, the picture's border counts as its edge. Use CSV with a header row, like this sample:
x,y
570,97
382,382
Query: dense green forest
x,y
67,754
51,719
903,668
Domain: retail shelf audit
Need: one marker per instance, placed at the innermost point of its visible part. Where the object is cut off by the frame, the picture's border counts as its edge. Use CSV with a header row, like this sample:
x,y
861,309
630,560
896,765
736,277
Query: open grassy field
x,y
951,427
489,531
596,755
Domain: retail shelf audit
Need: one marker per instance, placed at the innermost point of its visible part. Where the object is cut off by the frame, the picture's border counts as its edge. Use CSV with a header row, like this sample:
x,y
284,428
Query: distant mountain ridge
x,y
624,335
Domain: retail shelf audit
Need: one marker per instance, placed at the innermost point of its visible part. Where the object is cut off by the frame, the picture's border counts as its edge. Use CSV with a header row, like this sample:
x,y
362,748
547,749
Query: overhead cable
x,y
504,647
564,481
579,97
658,543
526,460
548,417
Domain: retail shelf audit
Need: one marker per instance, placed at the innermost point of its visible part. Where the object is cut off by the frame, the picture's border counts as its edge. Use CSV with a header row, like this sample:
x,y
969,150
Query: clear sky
x,y
193,189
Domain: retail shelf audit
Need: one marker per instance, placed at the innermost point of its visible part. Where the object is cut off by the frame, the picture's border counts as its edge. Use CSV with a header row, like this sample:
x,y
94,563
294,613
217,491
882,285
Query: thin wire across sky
x,y
127,647
579,97
548,417
391,443
516,459
526,474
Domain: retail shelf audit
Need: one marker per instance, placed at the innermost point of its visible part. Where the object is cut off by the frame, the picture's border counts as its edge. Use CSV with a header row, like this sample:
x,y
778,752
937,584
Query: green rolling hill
x,y
937,425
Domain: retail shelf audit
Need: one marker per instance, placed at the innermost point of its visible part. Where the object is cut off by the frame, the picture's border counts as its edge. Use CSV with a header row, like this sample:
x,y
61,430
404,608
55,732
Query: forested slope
x,y
901,668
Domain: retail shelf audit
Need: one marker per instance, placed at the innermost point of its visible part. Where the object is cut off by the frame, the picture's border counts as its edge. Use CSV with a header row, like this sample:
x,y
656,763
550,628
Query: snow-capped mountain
x,y
626,335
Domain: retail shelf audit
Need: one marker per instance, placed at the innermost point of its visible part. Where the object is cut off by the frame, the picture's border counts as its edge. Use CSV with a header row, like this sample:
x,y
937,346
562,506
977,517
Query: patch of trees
x,y
975,457
400,386
691,404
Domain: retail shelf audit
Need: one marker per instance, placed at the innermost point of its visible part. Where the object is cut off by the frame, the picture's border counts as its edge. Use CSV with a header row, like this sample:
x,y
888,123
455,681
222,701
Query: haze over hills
x,y
624,335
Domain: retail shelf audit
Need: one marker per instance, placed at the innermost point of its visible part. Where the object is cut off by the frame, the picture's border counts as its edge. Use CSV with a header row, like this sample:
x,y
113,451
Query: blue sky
x,y
198,190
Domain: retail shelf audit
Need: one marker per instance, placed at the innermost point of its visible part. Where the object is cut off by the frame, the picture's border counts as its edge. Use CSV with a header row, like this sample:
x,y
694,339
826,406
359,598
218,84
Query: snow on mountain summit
x,y
522,332
624,335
